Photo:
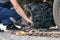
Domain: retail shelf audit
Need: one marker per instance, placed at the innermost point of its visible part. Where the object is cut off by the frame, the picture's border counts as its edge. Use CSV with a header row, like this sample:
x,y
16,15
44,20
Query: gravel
x,y
10,36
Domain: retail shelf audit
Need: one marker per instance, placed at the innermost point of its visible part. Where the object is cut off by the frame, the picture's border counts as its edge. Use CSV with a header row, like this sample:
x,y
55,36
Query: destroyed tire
x,y
44,19
56,12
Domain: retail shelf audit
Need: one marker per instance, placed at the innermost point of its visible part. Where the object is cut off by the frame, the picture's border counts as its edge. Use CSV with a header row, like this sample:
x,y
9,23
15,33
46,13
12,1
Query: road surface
x,y
10,36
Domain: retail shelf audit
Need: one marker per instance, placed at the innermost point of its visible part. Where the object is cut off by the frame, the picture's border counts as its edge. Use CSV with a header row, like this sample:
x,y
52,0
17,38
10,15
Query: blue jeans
x,y
6,13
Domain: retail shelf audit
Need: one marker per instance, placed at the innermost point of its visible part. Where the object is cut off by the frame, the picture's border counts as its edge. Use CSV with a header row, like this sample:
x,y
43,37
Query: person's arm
x,y
18,8
20,11
44,0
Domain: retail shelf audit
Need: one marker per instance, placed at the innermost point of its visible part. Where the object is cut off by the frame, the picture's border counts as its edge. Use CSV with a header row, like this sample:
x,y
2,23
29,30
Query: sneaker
x,y
12,27
2,27
1,30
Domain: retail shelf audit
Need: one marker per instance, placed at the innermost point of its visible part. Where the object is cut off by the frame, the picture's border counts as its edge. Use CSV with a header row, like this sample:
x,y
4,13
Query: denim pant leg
x,y
5,14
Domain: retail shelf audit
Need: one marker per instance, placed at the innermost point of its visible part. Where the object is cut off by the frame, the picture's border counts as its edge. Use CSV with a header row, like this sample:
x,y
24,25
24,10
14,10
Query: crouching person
x,y
16,14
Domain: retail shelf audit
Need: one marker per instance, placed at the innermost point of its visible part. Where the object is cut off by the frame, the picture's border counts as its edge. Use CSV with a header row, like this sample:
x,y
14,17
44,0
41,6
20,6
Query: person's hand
x,y
30,23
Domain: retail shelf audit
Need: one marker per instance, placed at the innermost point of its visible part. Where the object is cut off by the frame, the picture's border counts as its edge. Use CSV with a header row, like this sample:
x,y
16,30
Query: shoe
x,y
1,30
12,27
2,27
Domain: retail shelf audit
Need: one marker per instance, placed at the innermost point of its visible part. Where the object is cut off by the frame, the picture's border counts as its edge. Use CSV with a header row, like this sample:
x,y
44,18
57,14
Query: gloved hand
x,y
30,23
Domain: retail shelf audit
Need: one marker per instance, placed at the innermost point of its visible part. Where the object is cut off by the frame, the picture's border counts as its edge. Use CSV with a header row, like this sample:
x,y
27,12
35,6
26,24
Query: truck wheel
x,y
56,12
